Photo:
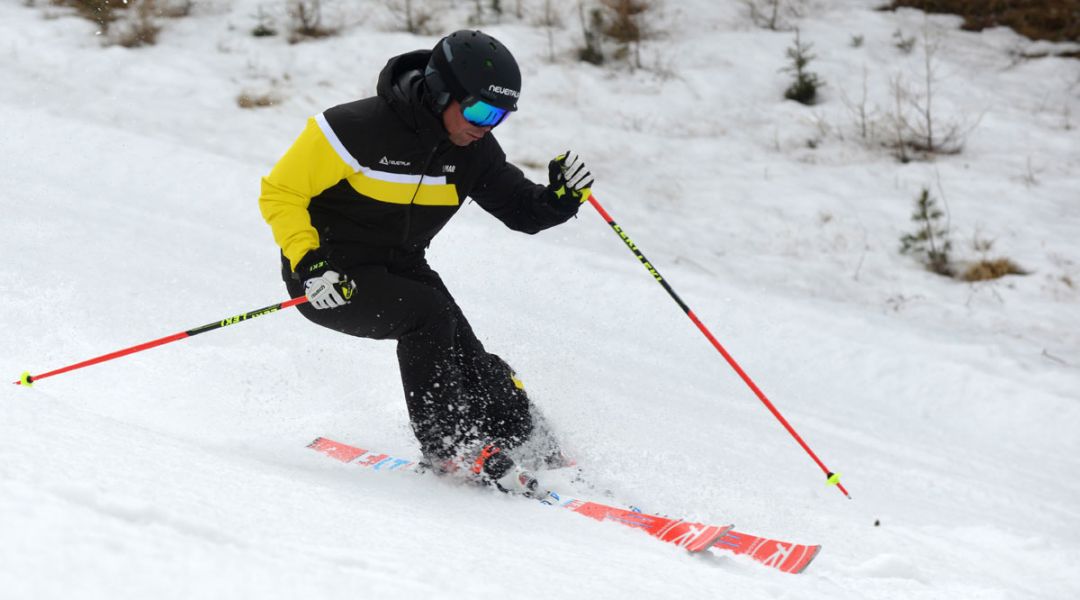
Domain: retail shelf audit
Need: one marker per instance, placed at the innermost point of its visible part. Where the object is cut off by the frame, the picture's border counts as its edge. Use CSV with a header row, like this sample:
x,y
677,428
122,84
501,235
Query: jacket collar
x,y
401,85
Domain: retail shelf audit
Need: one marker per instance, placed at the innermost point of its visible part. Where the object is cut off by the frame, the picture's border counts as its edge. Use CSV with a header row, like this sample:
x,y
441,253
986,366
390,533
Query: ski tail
x,y
360,456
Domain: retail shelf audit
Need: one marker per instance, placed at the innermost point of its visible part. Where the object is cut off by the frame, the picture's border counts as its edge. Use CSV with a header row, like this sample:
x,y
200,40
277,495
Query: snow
x,y
128,181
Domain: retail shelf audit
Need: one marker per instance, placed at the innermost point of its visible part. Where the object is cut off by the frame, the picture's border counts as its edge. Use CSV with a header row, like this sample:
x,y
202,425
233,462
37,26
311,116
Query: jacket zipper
x,y
412,201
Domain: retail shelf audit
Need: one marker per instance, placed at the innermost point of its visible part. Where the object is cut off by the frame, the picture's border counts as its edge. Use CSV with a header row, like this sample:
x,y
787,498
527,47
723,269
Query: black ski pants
x,y
456,392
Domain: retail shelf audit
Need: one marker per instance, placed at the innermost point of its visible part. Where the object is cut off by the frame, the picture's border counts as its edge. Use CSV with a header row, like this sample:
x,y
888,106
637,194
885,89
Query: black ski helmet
x,y
472,64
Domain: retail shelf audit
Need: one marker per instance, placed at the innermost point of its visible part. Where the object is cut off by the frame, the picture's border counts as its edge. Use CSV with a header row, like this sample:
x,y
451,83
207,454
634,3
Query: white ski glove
x,y
329,290
324,286
569,180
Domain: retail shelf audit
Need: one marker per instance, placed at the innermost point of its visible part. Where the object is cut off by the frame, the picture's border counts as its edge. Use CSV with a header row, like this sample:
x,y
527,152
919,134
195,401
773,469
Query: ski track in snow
x,y
128,180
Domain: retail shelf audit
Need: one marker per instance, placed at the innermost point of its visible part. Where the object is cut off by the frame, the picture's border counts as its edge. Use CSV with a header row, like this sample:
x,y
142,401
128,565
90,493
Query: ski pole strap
x,y
27,380
831,478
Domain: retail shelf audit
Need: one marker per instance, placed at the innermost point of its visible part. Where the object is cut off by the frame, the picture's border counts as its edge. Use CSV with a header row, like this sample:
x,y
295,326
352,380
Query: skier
x,y
357,199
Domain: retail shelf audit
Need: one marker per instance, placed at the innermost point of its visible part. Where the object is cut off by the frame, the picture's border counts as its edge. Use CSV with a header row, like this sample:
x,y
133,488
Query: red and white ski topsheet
x,y
694,537
785,556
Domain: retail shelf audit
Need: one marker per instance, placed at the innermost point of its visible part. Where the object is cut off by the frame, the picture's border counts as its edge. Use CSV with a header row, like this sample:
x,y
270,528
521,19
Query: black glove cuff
x,y
313,264
566,205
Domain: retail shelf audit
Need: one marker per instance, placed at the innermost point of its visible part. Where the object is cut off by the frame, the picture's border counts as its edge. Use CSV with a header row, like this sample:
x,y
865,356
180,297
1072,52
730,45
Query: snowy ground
x,y
128,181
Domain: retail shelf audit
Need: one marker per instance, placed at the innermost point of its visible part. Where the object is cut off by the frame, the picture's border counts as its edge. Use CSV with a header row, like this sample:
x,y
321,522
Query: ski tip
x,y
814,551
26,379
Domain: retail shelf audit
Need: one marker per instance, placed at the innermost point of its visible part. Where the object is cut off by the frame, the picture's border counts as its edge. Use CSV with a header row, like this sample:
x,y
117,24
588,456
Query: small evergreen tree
x,y
265,26
804,89
930,243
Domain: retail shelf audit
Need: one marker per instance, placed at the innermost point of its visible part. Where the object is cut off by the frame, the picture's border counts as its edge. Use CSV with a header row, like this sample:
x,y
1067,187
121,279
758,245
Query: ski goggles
x,y
482,114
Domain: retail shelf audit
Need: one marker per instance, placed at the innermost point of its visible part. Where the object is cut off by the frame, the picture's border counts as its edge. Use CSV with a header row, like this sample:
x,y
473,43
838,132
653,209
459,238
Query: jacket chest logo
x,y
396,163
449,168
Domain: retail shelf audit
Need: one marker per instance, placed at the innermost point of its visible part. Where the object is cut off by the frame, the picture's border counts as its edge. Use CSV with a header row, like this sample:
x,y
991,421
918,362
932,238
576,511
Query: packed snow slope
x,y
128,184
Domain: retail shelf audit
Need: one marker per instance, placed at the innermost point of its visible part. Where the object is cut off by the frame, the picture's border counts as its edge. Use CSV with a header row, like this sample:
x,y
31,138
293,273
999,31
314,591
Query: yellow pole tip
x,y
834,479
26,379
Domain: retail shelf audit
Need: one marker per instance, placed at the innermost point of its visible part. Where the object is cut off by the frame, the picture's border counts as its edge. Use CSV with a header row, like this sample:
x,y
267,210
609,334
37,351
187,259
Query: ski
x,y
783,556
692,537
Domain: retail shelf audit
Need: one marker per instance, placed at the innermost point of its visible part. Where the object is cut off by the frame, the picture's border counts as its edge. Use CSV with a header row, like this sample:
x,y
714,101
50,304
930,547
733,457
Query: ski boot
x,y
494,466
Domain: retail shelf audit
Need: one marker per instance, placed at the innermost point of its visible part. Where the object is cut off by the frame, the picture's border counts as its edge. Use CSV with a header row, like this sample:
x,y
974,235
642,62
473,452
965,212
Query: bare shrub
x,y
1030,176
305,21
896,123
626,26
924,131
622,25
101,12
591,28
622,22
415,16
549,20
774,14
903,43
129,23
916,130
863,113
493,8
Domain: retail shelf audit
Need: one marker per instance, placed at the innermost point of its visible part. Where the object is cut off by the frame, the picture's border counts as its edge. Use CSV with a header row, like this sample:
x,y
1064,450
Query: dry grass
x,y
253,100
1052,20
987,269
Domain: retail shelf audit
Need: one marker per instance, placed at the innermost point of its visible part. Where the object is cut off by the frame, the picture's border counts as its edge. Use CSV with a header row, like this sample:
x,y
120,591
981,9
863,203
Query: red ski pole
x,y
28,380
831,478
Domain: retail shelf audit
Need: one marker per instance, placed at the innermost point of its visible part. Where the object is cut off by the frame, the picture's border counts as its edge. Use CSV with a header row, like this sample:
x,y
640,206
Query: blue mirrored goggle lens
x,y
482,114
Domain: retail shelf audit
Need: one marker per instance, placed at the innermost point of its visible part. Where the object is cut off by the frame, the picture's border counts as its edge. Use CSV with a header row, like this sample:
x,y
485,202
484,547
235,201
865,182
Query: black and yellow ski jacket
x,y
374,180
